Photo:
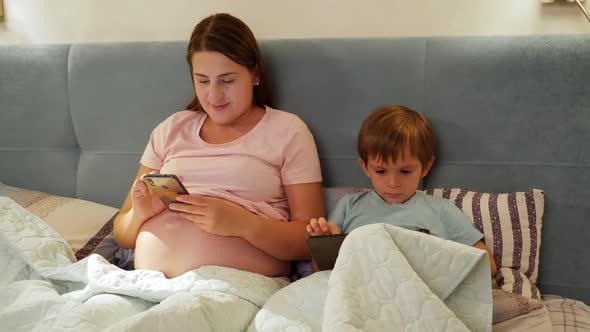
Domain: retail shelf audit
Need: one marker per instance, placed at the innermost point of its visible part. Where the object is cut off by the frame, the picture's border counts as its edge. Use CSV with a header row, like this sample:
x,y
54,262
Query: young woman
x,y
253,172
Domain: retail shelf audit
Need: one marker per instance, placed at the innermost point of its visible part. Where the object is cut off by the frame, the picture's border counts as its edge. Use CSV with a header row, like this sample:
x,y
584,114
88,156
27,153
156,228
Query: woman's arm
x,y
286,240
482,246
128,223
281,239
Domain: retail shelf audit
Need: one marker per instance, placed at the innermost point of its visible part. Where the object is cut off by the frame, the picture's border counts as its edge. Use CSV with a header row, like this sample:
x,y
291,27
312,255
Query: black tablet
x,y
324,249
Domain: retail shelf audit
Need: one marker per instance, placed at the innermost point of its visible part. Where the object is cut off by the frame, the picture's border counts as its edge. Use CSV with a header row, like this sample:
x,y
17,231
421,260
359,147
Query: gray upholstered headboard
x,y
511,113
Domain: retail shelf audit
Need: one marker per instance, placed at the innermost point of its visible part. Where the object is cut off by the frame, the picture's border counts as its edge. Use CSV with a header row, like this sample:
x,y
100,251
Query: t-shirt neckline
x,y
235,141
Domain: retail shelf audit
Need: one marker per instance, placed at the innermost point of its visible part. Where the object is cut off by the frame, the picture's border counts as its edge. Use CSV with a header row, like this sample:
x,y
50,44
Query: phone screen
x,y
165,186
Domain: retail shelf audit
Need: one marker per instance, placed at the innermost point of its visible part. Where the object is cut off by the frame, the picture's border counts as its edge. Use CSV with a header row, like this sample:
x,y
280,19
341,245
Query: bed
x,y
512,117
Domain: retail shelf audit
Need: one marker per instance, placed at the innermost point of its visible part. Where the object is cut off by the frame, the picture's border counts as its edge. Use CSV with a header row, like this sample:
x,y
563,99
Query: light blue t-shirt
x,y
439,216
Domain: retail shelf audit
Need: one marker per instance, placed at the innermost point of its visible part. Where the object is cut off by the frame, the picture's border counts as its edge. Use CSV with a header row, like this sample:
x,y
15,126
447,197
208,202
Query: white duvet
x,y
388,279
43,288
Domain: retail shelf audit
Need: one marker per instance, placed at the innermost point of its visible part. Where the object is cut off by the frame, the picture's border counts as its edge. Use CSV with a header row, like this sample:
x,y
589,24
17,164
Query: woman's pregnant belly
x,y
174,245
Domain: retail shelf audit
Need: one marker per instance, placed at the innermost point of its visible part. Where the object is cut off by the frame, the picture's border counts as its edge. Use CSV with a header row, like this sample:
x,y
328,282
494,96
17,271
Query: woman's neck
x,y
214,133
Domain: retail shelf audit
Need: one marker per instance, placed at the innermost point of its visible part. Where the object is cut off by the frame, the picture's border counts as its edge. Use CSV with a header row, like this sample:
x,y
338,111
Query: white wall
x,y
64,21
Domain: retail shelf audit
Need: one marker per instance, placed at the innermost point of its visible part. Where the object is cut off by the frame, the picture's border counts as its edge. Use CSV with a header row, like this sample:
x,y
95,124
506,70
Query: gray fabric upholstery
x,y
333,84
118,94
38,146
511,113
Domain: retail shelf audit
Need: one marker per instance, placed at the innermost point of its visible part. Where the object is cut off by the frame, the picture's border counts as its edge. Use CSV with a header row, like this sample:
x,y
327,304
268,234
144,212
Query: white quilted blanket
x,y
388,278
42,288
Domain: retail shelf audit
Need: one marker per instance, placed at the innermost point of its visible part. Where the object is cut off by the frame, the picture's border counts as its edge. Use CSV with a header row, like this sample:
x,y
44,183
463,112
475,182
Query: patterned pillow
x,y
511,224
509,305
86,226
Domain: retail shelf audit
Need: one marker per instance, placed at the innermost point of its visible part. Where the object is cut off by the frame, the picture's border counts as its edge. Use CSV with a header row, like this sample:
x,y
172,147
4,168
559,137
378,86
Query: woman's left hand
x,y
214,215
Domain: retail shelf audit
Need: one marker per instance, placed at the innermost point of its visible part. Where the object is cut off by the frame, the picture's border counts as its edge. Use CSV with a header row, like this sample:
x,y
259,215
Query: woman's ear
x,y
428,167
364,167
256,79
255,76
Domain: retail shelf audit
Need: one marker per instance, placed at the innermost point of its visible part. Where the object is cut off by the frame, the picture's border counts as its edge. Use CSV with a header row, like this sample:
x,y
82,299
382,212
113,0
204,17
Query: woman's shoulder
x,y
277,116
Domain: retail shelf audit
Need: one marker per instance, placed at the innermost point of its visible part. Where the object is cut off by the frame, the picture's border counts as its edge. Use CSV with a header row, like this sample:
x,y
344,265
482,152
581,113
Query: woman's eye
x,y
227,81
203,81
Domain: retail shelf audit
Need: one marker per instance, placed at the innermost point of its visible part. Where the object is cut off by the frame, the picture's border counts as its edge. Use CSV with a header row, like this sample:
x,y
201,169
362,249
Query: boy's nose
x,y
393,181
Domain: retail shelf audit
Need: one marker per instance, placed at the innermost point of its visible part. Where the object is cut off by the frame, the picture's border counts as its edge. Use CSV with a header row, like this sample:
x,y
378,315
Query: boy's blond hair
x,y
390,130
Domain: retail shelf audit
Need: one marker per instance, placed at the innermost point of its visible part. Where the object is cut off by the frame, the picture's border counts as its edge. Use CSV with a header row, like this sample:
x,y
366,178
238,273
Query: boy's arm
x,y
460,229
482,246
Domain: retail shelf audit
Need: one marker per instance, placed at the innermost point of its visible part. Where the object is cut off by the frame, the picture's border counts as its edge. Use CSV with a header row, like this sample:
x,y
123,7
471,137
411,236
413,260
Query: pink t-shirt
x,y
249,171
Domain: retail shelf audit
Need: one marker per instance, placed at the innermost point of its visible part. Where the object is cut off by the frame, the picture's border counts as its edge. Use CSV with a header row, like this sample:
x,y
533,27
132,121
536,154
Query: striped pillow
x,y
511,224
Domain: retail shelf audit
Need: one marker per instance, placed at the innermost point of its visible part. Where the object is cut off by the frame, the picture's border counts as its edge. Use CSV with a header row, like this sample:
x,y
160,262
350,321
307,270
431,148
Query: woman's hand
x,y
145,203
214,215
321,227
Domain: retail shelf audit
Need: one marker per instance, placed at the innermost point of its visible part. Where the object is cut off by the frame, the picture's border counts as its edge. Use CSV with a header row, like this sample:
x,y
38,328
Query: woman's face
x,y
224,87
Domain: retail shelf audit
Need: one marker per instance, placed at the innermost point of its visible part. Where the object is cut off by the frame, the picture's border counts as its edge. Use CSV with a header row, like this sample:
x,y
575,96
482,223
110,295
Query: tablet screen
x,y
324,249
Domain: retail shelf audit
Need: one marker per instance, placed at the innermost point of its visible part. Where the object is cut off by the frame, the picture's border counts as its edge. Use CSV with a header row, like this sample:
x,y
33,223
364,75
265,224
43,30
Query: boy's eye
x,y
380,171
406,172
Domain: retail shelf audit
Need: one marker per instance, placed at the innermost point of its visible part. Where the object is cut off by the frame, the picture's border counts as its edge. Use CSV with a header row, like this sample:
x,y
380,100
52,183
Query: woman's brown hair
x,y
231,37
390,130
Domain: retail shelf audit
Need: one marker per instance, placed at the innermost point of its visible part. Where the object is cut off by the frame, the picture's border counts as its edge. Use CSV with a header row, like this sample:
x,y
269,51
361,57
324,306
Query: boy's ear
x,y
428,167
364,167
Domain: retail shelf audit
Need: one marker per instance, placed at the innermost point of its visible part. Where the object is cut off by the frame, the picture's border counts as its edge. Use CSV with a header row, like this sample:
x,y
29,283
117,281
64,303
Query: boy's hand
x,y
321,227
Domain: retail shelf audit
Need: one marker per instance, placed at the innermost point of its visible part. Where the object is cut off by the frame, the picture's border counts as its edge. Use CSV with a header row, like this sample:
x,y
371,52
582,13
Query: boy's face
x,y
395,181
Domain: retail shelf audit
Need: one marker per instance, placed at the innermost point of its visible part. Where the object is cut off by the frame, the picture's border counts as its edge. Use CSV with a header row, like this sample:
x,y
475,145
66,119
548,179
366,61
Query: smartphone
x,y
324,249
165,186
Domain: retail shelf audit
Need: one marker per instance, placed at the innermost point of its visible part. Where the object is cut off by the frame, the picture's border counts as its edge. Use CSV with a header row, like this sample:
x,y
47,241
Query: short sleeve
x,y
154,154
301,162
338,214
458,226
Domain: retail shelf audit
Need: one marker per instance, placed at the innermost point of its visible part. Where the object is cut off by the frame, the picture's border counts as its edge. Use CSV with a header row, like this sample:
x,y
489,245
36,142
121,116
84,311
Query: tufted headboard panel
x,y
511,113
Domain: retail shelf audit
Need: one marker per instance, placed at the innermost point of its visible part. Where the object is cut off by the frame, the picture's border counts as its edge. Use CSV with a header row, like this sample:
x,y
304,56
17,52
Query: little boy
x,y
396,150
